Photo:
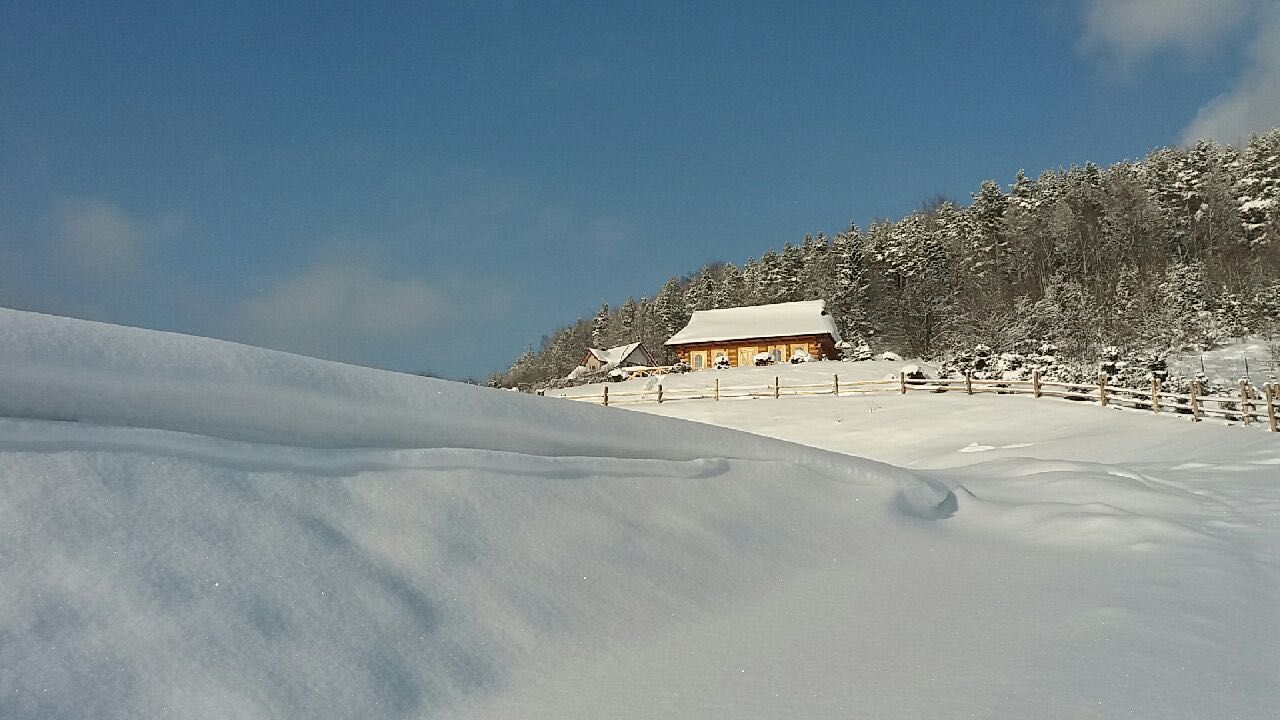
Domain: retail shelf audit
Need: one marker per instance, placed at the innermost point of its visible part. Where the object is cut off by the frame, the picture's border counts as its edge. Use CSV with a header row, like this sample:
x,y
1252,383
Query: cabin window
x,y
697,361
777,355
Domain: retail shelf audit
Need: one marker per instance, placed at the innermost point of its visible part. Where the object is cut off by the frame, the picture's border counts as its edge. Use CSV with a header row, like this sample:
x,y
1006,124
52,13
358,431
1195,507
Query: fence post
x,y
1246,408
902,382
835,379
775,387
1195,401
659,392
717,389
1102,389
1155,395
968,383
1271,408
1035,383
606,396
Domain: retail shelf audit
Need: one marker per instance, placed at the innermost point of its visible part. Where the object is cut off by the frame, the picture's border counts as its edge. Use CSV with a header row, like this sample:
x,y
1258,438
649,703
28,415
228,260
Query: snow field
x,y
1171,529
198,529
1246,358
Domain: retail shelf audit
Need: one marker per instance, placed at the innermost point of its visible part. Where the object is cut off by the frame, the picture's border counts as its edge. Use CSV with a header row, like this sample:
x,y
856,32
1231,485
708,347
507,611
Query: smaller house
x,y
743,335
631,355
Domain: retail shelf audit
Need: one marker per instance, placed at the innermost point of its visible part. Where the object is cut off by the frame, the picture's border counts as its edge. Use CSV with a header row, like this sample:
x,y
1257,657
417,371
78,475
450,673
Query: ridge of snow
x,y
56,368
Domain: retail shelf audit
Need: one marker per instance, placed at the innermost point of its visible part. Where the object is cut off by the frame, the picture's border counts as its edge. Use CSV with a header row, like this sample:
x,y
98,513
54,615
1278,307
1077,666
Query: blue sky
x,y
436,187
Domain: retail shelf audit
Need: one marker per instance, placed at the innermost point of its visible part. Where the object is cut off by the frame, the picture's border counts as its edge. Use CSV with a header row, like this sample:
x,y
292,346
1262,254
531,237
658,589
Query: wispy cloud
x,y
1253,102
1127,32
86,257
342,311
96,238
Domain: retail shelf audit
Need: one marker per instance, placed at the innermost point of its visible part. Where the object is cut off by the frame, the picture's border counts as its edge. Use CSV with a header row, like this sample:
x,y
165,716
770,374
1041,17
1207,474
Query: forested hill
x,y
1177,250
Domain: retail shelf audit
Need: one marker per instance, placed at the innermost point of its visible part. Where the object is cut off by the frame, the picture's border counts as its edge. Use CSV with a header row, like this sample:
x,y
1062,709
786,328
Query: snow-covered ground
x,y
756,378
1244,358
196,529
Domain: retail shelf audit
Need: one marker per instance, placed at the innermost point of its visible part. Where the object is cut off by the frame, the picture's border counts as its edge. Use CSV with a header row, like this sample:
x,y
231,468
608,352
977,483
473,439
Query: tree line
x,y
1178,250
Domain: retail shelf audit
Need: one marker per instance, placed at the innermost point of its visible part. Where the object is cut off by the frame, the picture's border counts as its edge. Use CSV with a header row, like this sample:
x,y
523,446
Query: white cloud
x,y
1126,33
1129,31
97,239
344,311
1253,102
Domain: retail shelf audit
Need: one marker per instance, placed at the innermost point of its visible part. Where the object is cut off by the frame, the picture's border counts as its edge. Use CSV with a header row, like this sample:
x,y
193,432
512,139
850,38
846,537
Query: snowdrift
x,y
57,368
199,529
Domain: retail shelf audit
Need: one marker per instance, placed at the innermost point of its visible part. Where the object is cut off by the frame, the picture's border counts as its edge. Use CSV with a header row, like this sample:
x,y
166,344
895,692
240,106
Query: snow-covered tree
x,y
731,290
702,289
600,327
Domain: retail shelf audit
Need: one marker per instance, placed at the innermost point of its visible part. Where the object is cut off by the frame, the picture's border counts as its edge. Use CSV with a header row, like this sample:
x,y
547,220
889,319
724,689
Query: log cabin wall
x,y
702,355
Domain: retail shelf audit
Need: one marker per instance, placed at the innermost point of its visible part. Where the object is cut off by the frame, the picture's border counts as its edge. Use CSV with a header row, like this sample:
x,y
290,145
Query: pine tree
x,y
671,312
847,298
701,292
627,319
751,293
600,327
990,252
770,285
790,269
731,290
1258,191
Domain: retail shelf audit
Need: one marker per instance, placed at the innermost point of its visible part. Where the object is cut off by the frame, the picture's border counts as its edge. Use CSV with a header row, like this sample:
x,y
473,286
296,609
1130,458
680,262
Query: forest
x,y
1176,251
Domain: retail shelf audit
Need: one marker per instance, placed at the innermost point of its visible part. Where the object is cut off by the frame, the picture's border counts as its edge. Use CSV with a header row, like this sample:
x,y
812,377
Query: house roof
x,y
808,317
614,355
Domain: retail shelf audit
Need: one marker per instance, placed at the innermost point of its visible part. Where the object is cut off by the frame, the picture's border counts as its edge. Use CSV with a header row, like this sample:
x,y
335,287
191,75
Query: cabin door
x,y
746,356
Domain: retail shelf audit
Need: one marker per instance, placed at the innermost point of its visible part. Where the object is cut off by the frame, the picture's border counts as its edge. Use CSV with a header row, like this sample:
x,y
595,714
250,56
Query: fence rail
x,y
1249,406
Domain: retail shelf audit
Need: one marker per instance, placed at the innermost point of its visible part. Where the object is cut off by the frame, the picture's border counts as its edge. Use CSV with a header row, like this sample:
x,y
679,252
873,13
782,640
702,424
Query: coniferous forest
x,y
1179,250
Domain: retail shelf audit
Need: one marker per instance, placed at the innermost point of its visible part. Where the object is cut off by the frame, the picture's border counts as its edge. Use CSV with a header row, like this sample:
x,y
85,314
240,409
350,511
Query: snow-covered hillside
x,y
199,529
1245,358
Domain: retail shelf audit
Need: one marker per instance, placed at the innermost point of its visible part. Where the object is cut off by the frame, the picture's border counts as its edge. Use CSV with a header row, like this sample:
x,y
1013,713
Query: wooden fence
x,y
1252,405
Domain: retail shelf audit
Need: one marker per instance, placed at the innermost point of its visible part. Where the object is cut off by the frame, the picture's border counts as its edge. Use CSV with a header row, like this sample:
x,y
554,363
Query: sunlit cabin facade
x,y
739,334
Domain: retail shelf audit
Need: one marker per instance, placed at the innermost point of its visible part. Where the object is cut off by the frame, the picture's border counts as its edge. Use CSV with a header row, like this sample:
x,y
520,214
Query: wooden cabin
x,y
634,354
782,330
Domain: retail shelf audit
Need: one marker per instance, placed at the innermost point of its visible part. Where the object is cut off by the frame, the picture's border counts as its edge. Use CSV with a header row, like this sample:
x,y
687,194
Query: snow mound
x,y
199,529
57,368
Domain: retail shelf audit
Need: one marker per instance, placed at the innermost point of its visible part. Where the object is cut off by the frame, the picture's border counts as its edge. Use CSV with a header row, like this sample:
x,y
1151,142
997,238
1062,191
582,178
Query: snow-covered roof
x,y
808,317
614,356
